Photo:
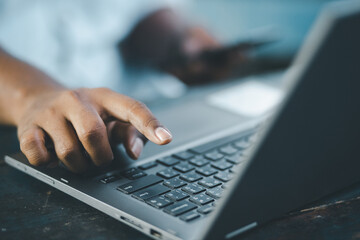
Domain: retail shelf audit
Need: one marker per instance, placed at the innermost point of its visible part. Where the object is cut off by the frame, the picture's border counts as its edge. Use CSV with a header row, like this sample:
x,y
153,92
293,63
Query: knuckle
x,y
28,142
136,106
29,145
93,132
49,112
66,153
151,121
72,95
37,159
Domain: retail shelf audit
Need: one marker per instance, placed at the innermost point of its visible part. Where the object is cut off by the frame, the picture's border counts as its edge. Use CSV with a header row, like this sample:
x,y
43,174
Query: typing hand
x,y
77,126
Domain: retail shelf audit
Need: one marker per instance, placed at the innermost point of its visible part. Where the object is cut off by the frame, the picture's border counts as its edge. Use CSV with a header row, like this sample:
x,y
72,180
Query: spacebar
x,y
139,184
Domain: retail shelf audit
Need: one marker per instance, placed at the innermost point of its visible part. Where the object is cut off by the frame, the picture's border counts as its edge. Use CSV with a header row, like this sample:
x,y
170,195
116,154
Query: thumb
x,y
127,134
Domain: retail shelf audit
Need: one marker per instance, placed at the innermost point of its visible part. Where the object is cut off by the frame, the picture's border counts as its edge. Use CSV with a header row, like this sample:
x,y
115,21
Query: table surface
x,y
33,209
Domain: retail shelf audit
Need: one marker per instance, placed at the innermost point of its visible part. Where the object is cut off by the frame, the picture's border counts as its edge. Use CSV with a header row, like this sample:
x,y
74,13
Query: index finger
x,y
129,110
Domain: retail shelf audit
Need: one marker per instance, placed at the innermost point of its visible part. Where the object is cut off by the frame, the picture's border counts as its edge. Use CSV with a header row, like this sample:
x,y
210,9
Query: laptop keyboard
x,y
186,184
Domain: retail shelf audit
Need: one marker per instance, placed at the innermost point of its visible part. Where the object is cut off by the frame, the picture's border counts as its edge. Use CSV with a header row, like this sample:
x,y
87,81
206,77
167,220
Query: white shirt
x,y
74,41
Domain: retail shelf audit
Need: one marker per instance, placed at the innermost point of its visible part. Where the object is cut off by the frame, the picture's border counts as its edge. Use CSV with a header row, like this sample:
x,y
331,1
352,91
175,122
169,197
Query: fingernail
x,y
162,134
137,147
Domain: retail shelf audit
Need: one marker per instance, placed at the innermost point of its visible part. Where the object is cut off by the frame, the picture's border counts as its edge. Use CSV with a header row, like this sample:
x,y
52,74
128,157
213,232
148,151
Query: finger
x,y
67,146
132,139
134,142
89,128
129,110
32,144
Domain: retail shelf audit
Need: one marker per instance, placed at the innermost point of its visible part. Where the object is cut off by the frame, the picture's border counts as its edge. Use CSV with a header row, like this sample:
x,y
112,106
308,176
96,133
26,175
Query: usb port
x,y
155,233
131,222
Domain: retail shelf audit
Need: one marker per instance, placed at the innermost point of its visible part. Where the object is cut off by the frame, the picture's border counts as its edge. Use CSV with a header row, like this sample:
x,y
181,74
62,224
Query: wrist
x,y
20,85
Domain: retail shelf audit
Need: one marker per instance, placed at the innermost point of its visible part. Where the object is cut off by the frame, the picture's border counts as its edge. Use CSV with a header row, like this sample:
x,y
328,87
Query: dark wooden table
x,y
30,209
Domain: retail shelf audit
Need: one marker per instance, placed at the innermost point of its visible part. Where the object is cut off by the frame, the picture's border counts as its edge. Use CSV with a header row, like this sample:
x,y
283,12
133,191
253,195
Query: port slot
x,y
155,233
131,222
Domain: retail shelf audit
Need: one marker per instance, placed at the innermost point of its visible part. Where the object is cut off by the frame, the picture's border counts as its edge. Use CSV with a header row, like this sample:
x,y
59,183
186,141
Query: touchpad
x,y
191,121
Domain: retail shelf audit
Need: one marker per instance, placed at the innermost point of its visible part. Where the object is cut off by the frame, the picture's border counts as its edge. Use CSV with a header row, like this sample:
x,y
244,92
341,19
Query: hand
x,y
77,126
201,59
163,41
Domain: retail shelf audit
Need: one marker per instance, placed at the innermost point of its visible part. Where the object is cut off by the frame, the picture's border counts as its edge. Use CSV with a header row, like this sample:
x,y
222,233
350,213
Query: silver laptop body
x,y
307,150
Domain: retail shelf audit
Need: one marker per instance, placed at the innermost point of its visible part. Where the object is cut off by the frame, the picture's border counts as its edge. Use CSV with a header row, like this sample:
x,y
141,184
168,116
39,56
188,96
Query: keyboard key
x,y
224,176
204,148
168,173
241,144
252,138
214,144
215,192
235,159
206,171
174,183
141,183
235,169
168,161
137,175
199,161
193,188
214,155
184,155
159,202
209,182
222,165
201,199
187,217
228,150
179,208
246,152
191,177
176,195
133,173
110,178
148,165
184,167
206,209
150,192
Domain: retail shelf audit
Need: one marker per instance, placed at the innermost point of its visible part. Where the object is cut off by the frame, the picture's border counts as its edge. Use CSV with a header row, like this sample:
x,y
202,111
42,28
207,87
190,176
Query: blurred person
x,y
74,44
165,41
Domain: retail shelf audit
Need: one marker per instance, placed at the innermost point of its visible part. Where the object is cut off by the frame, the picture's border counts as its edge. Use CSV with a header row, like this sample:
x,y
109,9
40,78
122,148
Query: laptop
x,y
220,187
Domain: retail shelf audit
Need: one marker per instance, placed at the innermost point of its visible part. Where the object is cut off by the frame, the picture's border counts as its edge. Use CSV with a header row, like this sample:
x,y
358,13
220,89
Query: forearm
x,y
19,84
